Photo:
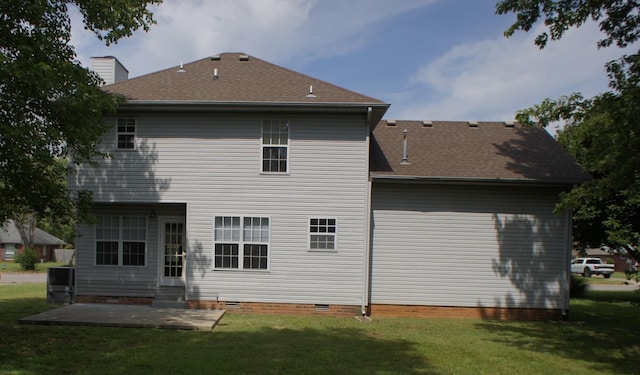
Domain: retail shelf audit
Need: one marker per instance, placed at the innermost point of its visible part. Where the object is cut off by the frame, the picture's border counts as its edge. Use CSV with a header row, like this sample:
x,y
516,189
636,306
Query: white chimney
x,y
109,69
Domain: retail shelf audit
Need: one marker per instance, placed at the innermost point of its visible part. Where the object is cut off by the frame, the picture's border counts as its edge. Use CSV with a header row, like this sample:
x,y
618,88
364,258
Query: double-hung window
x,y
121,240
322,234
241,242
126,133
275,146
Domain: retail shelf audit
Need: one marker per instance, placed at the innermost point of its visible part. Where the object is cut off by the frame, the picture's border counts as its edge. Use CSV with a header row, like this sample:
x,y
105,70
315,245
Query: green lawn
x,y
617,278
601,337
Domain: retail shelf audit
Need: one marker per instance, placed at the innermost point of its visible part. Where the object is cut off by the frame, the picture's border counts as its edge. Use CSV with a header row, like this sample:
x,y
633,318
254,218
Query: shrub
x,y
27,259
577,287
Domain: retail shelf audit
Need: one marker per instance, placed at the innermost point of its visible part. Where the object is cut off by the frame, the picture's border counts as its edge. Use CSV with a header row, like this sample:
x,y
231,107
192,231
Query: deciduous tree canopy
x,y
603,132
51,108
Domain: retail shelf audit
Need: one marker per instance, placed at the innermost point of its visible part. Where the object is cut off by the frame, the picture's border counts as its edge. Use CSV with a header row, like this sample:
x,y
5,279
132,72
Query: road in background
x,y
23,277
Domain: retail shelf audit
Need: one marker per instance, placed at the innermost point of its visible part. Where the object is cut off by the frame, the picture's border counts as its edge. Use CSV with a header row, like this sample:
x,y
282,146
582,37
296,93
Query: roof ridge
x,y
236,77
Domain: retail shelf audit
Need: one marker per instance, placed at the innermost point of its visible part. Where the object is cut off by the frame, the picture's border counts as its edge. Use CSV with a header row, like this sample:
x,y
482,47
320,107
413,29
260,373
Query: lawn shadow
x,y
274,350
602,335
239,346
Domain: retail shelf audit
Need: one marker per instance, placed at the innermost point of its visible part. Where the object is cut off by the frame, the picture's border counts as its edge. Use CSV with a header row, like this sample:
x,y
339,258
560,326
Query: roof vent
x,y
181,70
391,122
215,73
244,57
473,124
311,94
510,124
405,156
215,58
427,124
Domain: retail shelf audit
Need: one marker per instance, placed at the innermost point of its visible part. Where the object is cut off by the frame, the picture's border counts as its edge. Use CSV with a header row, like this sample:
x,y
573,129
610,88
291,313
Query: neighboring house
x,y
235,183
11,242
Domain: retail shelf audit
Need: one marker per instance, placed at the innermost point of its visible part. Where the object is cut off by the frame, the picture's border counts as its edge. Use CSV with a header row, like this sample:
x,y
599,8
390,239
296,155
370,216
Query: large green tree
x,y
51,108
603,132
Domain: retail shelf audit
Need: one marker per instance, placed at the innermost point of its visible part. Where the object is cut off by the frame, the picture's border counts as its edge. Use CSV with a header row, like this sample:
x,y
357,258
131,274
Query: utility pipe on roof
x,y
405,157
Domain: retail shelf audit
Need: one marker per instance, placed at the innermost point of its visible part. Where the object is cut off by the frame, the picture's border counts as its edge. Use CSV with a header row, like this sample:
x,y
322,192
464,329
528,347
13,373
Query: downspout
x,y
367,223
566,291
187,254
367,252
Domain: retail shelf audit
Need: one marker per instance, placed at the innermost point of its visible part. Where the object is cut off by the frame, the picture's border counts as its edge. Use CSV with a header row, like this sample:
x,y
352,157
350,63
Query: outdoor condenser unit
x,y
61,285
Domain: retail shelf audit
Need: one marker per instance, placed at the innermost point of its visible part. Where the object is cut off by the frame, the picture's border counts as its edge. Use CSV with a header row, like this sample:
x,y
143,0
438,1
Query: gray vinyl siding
x,y
212,163
467,246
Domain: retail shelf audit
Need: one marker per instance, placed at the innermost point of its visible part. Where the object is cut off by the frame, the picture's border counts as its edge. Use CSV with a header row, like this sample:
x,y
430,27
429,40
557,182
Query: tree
x,y
603,132
51,108
619,20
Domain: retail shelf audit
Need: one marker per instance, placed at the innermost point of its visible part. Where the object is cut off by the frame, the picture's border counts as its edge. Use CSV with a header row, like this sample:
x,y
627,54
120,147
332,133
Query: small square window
x,y
322,234
126,134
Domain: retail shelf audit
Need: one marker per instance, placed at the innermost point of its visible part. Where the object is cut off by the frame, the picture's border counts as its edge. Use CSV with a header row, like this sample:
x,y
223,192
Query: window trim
x,y
264,145
134,133
120,241
334,234
241,242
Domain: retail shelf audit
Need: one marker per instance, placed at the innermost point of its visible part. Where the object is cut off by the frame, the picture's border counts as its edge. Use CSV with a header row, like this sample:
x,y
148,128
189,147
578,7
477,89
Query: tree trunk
x,y
26,226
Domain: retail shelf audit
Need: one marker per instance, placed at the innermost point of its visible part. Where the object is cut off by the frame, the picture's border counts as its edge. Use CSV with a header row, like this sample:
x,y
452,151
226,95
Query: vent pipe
x,y
405,158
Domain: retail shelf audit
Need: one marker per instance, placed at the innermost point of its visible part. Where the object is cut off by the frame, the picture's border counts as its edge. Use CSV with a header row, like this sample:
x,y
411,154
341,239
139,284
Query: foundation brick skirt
x,y
375,310
464,312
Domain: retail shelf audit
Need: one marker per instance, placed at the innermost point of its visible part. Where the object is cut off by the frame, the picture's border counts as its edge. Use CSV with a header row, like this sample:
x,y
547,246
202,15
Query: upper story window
x,y
275,146
322,234
126,134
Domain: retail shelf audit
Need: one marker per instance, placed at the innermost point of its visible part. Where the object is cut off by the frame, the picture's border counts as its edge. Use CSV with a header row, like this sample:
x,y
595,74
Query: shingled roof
x,y
234,78
9,234
471,151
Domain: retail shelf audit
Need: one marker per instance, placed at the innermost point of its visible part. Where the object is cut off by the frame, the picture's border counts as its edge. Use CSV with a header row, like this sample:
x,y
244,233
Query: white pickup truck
x,y
591,266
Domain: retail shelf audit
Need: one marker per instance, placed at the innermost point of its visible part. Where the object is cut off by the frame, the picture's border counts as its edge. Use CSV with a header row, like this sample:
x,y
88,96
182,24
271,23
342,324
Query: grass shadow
x,y
602,335
239,345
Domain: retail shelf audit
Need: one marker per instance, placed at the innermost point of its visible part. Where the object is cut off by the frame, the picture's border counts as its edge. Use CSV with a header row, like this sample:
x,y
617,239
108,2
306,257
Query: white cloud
x,y
491,79
275,30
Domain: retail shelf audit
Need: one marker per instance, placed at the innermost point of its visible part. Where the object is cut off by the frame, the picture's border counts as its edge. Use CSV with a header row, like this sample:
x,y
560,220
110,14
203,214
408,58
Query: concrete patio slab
x,y
134,316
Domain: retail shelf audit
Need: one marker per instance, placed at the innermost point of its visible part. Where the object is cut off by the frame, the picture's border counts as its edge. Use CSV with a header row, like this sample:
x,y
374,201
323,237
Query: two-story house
x,y
235,183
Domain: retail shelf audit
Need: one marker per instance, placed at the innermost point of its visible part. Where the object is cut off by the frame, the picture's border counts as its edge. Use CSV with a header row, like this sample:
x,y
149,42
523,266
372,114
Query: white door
x,y
172,251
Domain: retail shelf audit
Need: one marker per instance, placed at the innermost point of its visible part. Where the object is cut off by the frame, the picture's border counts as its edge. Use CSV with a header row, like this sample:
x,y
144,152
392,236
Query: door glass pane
x,y
173,250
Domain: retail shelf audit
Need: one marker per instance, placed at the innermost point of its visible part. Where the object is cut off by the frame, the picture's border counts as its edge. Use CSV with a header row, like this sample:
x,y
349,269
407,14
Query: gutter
x,y
375,111
469,180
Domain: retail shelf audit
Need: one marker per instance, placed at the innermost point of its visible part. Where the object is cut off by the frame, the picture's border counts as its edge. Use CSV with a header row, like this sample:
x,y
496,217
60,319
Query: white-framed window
x,y
322,234
121,240
275,146
8,252
126,134
241,243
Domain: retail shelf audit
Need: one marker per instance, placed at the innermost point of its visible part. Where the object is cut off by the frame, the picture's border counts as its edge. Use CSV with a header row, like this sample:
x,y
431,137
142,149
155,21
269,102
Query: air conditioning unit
x,y
61,285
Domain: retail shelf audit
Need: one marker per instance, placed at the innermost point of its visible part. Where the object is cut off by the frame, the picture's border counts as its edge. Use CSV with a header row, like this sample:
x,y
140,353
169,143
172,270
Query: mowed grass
x,y
600,337
617,278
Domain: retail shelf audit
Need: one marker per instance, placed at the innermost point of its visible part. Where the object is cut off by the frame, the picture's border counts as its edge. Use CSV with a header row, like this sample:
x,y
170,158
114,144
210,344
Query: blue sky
x,y
430,59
